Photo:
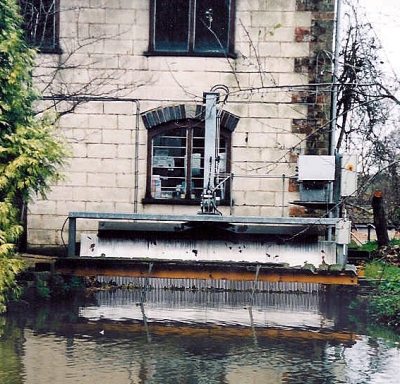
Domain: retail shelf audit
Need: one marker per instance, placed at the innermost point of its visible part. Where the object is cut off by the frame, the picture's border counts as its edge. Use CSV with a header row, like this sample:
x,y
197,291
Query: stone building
x,y
128,78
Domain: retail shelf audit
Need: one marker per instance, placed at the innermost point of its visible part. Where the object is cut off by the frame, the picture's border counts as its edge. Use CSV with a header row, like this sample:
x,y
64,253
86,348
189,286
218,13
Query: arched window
x,y
175,156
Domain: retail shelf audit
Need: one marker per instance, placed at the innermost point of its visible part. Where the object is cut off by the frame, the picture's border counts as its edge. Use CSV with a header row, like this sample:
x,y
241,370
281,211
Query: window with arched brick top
x,y
176,162
175,154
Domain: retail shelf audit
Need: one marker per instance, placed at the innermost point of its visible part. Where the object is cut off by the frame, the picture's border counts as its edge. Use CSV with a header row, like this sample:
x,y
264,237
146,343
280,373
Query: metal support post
x,y
283,194
254,283
231,195
71,236
210,138
145,323
208,203
146,284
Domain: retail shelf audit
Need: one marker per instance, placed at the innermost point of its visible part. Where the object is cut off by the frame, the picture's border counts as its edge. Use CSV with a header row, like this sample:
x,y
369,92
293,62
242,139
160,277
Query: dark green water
x,y
196,337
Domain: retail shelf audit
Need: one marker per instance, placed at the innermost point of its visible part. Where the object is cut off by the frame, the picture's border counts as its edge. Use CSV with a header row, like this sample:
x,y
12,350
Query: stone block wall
x,y
280,50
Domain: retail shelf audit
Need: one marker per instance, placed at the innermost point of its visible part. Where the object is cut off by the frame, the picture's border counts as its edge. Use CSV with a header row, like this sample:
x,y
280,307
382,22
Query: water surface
x,y
196,337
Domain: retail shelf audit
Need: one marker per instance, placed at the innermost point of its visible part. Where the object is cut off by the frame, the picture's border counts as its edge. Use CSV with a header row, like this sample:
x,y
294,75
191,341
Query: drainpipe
x,y
136,170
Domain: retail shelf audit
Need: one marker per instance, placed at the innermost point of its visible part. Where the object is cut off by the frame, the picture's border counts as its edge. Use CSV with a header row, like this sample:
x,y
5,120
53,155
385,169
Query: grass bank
x,y
384,303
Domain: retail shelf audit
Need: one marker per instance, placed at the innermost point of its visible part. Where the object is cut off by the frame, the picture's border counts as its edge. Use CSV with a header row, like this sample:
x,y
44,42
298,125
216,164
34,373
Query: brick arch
x,y
162,115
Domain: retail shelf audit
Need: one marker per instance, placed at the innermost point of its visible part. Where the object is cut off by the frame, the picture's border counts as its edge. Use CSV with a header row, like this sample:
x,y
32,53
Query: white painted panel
x,y
348,174
210,250
313,167
343,232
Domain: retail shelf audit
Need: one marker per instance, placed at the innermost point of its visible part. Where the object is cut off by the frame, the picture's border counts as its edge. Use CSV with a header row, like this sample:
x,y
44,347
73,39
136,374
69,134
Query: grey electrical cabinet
x,y
315,174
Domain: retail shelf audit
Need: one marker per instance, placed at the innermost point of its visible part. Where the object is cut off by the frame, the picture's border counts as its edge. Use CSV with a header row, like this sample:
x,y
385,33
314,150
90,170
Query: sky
x,y
384,15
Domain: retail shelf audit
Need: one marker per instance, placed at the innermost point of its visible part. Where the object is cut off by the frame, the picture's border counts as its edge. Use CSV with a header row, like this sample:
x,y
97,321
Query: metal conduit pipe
x,y
333,123
265,176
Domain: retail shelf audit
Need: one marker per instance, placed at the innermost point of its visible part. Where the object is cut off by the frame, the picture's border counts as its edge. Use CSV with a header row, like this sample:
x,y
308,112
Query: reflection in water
x,y
220,308
195,337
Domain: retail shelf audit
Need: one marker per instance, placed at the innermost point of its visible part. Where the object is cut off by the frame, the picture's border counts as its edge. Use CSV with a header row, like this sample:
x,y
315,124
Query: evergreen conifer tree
x,y
30,152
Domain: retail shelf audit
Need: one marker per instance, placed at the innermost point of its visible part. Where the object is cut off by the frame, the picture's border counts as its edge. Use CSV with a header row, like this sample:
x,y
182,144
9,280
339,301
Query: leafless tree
x,y
366,106
365,91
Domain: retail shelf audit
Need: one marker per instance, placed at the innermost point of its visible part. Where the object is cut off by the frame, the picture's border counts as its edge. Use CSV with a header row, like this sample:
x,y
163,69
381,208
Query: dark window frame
x,y
187,125
51,42
230,52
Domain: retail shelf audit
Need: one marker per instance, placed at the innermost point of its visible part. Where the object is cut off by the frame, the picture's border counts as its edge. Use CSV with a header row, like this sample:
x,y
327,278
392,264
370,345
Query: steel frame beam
x,y
91,266
283,221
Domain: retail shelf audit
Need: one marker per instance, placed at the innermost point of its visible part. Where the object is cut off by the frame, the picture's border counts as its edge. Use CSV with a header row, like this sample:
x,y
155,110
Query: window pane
x,y
222,167
171,25
169,165
212,25
40,21
177,163
198,163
